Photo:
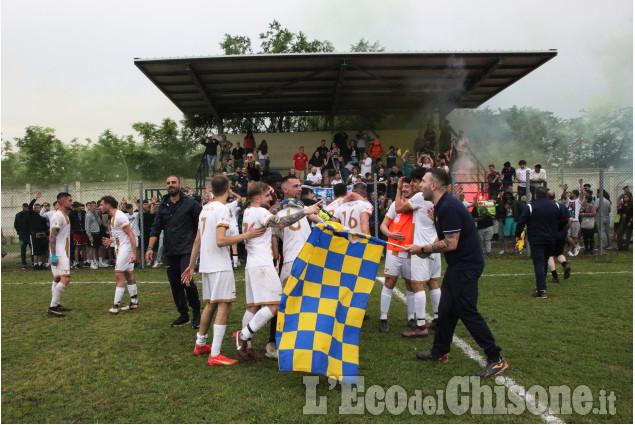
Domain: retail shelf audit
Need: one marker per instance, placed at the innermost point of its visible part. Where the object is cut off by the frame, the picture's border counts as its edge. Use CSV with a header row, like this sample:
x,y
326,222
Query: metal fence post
x,y
376,206
66,187
600,217
141,232
453,180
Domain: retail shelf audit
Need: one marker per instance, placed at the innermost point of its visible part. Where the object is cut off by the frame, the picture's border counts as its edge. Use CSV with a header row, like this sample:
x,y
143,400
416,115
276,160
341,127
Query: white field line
x,y
509,383
485,275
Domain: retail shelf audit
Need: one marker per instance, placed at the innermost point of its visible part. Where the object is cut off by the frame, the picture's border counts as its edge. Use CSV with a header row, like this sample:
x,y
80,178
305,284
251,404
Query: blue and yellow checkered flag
x,y
322,309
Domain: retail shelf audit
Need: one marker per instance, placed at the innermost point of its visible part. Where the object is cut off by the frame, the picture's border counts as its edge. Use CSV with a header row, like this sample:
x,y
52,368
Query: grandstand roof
x,y
337,83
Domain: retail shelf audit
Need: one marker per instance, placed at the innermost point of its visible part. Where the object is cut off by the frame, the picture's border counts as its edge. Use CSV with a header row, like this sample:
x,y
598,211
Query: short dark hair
x,y
407,180
541,192
287,178
60,196
522,162
339,190
178,179
538,166
360,188
110,201
220,184
418,173
492,165
507,164
305,192
440,176
25,205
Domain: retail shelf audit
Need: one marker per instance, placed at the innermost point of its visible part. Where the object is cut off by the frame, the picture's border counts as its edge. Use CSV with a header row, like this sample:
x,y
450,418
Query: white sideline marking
x,y
474,355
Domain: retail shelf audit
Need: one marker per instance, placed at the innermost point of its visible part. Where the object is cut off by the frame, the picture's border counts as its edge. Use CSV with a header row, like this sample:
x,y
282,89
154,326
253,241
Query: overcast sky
x,y
68,64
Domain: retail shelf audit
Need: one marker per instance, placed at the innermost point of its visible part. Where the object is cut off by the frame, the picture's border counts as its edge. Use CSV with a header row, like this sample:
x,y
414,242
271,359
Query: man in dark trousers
x,y
544,220
21,226
177,216
458,240
211,151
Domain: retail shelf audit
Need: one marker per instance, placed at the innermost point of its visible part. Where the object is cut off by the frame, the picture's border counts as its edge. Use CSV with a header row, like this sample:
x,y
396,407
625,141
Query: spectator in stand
x,y
77,217
508,173
408,162
91,224
336,155
431,138
382,182
239,155
263,156
537,178
211,151
253,169
316,160
355,177
424,161
391,157
241,182
587,223
322,149
603,218
337,179
366,164
443,166
450,155
350,156
377,166
300,161
376,150
445,136
314,178
38,228
292,172
587,189
420,145
521,178
462,144
328,169
225,155
229,167
625,226
21,226
493,183
328,201
250,142
393,177
340,139
360,139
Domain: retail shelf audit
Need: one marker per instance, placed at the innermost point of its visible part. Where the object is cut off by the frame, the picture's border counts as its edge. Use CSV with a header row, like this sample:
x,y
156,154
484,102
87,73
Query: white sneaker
x,y
115,309
576,250
501,252
271,351
93,265
570,254
102,264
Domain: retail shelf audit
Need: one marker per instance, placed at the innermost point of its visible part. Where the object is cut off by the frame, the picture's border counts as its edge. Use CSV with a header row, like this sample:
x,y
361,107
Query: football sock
x,y
420,307
57,294
410,302
565,265
201,340
259,320
235,259
217,341
554,274
119,294
132,288
384,304
435,298
53,284
246,319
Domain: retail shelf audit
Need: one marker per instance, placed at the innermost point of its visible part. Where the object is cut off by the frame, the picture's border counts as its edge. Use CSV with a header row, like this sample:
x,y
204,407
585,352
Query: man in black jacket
x,y
38,226
177,216
544,219
211,151
21,226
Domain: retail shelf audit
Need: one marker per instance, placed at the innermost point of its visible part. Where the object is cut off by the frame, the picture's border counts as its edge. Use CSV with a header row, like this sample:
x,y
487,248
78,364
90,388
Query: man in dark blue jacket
x,y
211,151
544,220
177,216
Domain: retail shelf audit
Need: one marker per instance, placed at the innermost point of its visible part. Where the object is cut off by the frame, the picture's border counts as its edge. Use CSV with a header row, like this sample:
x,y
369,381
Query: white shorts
x,y
262,286
424,269
397,265
219,287
63,267
285,272
574,230
233,229
123,263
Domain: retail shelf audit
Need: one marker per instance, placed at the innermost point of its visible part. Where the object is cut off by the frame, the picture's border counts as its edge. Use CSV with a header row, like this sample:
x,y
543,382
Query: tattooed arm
x,y
449,243
288,220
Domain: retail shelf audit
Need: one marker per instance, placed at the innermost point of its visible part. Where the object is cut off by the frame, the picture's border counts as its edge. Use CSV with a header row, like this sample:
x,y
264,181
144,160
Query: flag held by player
x,y
324,302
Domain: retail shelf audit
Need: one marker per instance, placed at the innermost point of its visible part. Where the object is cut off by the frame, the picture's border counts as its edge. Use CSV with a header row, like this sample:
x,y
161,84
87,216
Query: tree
x,y
364,45
42,154
238,45
280,40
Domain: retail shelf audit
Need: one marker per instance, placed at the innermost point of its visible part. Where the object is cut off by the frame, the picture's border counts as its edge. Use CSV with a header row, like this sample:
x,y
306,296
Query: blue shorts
x,y
510,226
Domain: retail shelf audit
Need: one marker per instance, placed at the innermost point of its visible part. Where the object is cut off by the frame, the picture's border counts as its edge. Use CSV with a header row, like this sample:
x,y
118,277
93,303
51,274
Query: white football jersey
x,y
120,238
424,230
259,251
294,236
350,213
330,208
60,221
213,258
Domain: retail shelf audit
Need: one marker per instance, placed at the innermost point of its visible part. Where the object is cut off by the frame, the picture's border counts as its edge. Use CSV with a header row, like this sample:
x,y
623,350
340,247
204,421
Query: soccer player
x,y
458,240
262,284
60,242
423,270
293,238
339,192
219,286
398,227
125,250
355,214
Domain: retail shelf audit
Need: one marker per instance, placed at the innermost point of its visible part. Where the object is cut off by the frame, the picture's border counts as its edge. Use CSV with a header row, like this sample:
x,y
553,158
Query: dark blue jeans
x,y
459,295
540,254
183,294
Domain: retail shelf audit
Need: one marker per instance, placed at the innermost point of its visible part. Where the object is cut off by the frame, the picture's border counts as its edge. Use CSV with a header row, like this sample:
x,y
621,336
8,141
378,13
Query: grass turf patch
x,y
92,366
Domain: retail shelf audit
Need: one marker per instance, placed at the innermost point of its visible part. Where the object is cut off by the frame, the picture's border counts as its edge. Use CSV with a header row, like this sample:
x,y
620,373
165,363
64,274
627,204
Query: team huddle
x,y
416,233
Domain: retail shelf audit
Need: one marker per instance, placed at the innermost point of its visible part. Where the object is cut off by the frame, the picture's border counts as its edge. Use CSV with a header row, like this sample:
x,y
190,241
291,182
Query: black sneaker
x,y
555,280
540,294
196,321
182,320
54,311
567,272
24,267
433,323
383,326
428,356
60,307
493,369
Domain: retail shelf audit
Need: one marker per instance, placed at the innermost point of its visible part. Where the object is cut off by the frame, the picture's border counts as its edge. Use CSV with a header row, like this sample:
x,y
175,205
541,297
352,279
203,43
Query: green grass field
x,y
134,368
